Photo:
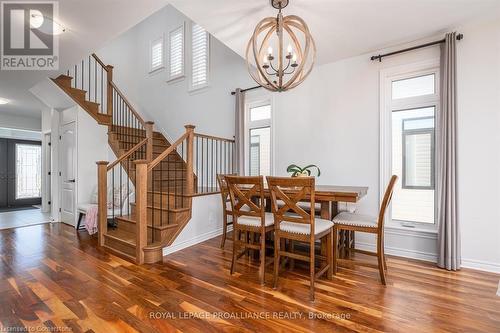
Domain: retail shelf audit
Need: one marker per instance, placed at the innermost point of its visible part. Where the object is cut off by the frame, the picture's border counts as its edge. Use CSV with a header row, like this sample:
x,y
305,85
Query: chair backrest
x,y
386,201
242,192
224,191
286,193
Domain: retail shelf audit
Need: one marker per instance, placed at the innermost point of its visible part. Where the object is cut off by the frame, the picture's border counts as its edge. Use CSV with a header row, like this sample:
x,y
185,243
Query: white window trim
x,y
253,101
162,66
200,87
385,111
182,75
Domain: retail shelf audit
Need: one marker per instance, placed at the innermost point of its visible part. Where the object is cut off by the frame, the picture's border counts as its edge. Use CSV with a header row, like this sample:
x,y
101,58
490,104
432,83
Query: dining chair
x,y
292,222
368,224
249,216
227,216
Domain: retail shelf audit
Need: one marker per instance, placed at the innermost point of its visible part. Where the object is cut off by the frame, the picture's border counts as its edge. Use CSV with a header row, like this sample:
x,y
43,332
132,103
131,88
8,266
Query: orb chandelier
x,y
296,51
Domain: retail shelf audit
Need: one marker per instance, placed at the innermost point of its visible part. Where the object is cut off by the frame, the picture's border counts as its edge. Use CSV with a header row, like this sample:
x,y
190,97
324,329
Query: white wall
x,y
92,146
332,119
92,141
20,122
170,105
205,223
479,144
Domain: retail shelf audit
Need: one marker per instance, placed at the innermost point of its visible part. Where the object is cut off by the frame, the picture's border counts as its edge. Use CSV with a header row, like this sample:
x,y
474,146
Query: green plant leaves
x,y
295,169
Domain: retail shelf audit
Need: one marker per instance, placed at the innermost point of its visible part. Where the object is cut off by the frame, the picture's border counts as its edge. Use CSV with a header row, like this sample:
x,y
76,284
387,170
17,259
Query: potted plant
x,y
297,171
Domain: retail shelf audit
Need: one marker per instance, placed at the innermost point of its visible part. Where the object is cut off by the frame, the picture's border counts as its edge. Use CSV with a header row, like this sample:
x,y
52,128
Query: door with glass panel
x,y
24,173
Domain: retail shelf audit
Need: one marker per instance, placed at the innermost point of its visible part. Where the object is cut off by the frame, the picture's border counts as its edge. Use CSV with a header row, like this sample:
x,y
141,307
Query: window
x,y
418,152
259,138
176,53
410,102
199,57
28,171
156,55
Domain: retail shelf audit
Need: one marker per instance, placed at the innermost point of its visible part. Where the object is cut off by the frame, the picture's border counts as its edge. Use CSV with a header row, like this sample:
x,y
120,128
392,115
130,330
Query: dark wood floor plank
x,y
54,277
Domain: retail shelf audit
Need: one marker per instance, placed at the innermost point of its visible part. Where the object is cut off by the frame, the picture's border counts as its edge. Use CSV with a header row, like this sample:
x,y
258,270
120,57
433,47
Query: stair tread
x,y
120,253
174,210
122,235
131,219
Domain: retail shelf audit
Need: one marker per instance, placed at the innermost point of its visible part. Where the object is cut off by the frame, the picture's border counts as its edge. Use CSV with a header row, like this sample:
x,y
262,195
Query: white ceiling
x,y
341,28
90,24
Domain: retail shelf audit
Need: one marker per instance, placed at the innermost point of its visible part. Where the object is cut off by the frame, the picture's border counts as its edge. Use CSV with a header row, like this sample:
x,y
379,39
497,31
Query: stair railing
x,y
121,176
93,76
212,156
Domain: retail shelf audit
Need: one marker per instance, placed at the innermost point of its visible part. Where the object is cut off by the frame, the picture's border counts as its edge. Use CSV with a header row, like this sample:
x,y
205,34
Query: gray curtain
x,y
239,131
449,256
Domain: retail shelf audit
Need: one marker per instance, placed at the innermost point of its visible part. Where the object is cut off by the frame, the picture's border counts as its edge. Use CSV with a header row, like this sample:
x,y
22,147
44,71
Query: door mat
x,y
13,209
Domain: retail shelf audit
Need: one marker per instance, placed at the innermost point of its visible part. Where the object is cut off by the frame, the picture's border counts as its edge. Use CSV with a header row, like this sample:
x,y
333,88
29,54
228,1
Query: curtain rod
x,y
380,56
247,89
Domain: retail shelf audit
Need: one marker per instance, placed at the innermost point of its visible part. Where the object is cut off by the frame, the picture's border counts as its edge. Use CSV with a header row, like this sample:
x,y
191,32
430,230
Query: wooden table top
x,y
333,193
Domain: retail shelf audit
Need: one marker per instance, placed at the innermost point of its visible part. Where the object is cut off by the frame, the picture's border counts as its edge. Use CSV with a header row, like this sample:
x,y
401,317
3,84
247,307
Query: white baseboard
x,y
193,241
431,257
481,265
399,252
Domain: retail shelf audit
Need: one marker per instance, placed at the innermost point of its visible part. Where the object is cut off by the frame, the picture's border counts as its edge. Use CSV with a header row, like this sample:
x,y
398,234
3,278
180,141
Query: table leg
x,y
326,214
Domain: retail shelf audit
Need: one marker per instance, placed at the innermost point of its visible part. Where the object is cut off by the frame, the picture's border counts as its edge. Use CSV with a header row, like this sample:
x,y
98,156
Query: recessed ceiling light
x,y
3,101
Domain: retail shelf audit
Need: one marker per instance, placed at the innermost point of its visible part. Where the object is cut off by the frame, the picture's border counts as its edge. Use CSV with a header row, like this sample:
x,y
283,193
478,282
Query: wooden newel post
x,y
109,91
141,203
190,159
102,200
149,136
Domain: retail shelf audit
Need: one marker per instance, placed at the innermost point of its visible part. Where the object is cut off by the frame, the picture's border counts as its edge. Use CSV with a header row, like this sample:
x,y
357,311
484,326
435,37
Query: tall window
x,y
259,138
28,171
156,55
176,53
200,52
411,101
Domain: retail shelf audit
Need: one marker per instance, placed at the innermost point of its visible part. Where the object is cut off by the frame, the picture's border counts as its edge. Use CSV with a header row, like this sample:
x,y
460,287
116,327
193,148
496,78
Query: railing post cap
x,y
102,162
110,66
150,122
140,162
189,126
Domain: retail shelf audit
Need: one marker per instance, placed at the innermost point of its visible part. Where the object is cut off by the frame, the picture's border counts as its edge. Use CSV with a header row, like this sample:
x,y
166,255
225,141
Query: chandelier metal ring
x,y
291,66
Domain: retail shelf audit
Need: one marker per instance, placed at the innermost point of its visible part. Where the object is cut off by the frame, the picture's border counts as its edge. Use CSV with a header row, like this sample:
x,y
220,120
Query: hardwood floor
x,y
53,278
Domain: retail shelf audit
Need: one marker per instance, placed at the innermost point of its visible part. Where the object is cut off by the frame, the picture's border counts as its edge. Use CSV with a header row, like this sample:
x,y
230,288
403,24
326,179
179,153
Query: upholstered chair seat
x,y
358,220
320,225
252,221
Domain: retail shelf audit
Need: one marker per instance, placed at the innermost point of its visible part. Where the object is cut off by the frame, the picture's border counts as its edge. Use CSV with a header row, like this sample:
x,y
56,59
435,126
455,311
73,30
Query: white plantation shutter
x,y
200,53
176,53
156,54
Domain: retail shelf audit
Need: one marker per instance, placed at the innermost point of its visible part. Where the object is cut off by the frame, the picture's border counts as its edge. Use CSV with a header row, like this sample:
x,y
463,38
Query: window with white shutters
x,y
199,57
176,53
156,55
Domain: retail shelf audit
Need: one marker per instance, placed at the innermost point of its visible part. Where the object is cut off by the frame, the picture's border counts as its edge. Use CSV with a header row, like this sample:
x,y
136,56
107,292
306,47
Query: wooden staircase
x,y
160,173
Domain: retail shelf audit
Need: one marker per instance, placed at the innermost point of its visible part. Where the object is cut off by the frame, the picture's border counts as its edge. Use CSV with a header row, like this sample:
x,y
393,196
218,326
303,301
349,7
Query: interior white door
x,y
67,162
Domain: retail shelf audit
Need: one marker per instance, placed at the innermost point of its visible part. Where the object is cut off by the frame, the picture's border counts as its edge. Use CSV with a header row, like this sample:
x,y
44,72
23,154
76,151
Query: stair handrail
x,y
166,152
128,153
99,61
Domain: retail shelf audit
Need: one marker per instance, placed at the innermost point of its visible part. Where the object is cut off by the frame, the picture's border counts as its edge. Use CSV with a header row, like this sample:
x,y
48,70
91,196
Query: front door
x,y
4,177
20,173
67,161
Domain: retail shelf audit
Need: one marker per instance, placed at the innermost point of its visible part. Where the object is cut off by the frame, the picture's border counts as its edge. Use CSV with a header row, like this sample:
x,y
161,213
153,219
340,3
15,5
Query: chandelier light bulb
x,y
270,51
294,57
289,49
